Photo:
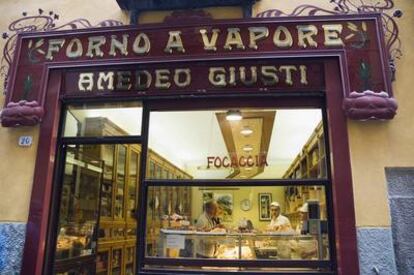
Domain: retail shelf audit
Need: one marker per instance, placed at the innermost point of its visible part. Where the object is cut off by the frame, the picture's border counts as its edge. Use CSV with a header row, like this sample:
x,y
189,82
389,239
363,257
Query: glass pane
x,y
78,212
120,182
102,261
116,261
260,144
98,179
133,184
103,119
249,223
107,152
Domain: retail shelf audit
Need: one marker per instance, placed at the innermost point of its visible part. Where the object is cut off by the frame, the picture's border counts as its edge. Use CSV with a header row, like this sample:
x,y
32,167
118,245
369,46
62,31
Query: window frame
x,y
187,103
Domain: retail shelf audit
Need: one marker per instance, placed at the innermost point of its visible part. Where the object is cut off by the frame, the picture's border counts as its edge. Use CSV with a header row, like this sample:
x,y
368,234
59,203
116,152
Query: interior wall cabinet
x,y
310,163
163,199
119,196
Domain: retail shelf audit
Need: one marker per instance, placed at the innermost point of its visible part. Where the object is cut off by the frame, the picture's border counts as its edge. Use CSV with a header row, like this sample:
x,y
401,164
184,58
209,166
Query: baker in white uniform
x,y
278,223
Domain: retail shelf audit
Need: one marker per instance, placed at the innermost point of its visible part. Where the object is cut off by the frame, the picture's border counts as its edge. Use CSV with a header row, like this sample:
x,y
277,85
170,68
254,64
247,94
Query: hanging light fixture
x,y
247,148
233,115
246,131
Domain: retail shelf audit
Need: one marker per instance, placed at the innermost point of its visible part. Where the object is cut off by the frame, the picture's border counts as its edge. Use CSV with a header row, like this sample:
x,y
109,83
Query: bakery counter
x,y
221,244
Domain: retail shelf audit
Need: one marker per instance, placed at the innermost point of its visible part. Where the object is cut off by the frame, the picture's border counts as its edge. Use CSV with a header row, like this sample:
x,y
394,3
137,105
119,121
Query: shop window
x,y
262,172
238,222
97,218
240,189
96,208
262,144
103,119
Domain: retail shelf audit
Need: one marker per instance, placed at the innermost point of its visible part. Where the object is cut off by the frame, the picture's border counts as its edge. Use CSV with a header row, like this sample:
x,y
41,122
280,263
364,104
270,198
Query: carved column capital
x,y
22,113
369,105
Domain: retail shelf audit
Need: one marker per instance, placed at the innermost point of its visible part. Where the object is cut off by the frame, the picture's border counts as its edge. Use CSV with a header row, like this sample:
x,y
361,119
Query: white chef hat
x,y
304,208
275,204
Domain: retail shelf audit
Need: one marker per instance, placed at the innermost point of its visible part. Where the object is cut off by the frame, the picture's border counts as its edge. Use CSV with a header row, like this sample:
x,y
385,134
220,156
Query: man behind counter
x,y
278,223
208,221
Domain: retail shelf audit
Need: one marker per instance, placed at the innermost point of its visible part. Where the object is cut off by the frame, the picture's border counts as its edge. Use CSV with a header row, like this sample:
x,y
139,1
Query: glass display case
x,y
102,261
130,259
133,184
107,184
242,246
120,182
116,262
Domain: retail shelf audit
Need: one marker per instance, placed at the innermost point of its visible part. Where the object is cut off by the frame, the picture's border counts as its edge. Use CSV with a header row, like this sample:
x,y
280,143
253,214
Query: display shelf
x,y
102,261
310,163
119,194
310,159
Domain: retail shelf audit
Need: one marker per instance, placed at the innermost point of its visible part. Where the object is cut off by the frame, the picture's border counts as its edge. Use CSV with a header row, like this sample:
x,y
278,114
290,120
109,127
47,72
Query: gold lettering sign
x,y
174,42
330,35
218,77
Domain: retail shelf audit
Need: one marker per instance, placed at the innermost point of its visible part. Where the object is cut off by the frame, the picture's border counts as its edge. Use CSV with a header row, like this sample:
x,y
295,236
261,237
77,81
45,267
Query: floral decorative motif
x,y
41,22
369,105
384,7
22,113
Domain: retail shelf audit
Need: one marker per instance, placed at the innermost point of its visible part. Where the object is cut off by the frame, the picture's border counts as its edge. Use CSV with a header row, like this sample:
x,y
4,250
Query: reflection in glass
x,y
78,213
107,153
94,236
133,184
120,182
103,119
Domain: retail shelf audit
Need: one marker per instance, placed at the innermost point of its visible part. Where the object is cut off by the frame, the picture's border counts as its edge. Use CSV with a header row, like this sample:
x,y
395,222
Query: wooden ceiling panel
x,y
261,123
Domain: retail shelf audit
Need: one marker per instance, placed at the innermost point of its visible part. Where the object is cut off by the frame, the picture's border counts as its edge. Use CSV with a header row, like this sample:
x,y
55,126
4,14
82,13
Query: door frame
x,y
342,191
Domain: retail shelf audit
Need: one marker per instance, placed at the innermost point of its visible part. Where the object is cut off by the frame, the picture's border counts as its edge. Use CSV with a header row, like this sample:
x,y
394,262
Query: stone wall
x,y
11,247
401,197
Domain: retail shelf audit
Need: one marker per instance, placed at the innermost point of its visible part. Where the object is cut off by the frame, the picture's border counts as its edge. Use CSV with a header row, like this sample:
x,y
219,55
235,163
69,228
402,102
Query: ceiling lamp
x,y
246,131
247,148
233,115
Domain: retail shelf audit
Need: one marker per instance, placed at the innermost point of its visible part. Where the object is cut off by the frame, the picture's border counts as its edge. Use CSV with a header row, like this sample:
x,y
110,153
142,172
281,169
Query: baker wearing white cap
x,y
301,227
278,223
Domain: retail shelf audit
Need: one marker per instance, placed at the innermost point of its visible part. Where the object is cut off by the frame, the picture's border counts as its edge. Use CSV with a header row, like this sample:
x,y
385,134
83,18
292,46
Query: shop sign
x,y
199,77
209,57
232,38
235,161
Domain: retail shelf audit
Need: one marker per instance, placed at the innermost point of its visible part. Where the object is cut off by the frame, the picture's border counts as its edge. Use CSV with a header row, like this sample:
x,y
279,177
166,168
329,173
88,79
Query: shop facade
x,y
142,128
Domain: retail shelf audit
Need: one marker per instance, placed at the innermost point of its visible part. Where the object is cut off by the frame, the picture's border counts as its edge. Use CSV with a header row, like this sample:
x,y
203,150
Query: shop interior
x,y
255,220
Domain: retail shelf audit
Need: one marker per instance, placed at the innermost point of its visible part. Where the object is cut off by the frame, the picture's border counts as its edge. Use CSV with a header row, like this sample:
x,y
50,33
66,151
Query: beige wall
x,y
373,145
215,12
17,163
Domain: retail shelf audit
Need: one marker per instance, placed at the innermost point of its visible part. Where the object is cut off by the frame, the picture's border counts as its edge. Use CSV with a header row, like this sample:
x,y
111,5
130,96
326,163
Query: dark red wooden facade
x,y
352,76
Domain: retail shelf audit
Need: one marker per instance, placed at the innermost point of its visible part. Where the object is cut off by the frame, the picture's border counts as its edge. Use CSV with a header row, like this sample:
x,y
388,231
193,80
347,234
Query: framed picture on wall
x,y
265,199
224,201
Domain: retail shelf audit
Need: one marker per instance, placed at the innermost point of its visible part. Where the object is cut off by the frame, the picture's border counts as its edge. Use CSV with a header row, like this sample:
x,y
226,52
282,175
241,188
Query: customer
x,y
278,223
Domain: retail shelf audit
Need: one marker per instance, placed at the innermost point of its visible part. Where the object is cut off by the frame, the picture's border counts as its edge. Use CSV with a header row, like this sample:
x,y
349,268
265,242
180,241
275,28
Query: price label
x,y
25,141
175,241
